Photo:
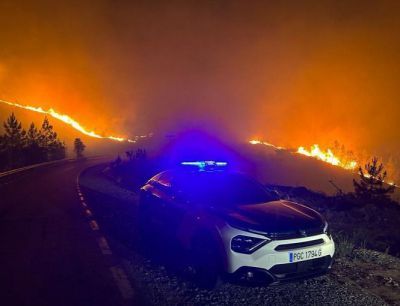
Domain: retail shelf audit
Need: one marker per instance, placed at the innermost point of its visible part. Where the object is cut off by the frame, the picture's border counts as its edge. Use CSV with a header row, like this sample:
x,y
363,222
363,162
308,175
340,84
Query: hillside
x,y
282,167
66,133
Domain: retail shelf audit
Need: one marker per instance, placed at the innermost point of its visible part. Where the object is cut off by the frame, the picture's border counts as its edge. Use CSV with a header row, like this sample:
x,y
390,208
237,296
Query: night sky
x,y
293,73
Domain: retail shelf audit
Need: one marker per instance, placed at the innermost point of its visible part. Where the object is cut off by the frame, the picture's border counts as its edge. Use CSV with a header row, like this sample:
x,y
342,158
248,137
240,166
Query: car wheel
x,y
205,263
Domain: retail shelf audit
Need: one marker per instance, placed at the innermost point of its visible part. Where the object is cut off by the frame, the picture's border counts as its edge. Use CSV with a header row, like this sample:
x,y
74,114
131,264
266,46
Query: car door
x,y
167,205
156,196
176,208
172,206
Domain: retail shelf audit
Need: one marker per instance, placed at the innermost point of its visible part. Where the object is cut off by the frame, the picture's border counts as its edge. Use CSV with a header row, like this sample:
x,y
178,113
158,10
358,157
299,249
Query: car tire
x,y
205,263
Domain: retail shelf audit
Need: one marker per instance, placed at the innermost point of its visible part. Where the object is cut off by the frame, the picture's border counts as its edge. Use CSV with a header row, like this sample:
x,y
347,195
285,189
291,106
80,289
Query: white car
x,y
230,224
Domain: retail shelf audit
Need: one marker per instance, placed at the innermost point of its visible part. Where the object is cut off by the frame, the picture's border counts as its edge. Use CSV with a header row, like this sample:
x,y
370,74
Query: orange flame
x,y
315,152
70,121
327,156
254,142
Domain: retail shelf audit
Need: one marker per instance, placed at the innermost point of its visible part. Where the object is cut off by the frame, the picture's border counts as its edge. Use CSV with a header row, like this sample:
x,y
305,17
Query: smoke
x,y
293,73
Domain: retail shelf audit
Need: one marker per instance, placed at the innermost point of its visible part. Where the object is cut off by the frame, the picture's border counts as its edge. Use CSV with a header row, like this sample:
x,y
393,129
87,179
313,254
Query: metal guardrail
x,y
3,174
6,173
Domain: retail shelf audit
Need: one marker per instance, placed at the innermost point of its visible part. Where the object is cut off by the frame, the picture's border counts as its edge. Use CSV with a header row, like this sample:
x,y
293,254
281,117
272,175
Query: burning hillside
x,y
316,152
69,121
326,155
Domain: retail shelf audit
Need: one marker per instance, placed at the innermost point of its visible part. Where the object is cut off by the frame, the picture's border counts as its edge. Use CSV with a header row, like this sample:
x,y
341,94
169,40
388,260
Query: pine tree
x,y
32,136
33,150
79,147
47,135
371,185
18,148
48,140
14,133
14,140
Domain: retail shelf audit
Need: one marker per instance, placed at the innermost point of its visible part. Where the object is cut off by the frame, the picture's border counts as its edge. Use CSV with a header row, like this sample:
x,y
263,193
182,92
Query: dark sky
x,y
294,72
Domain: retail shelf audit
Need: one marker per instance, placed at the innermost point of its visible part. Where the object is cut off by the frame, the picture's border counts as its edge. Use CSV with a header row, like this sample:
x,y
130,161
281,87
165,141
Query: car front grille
x,y
298,245
295,234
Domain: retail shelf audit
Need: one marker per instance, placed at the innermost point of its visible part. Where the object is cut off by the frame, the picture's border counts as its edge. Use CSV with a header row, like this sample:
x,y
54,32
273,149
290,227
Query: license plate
x,y
304,255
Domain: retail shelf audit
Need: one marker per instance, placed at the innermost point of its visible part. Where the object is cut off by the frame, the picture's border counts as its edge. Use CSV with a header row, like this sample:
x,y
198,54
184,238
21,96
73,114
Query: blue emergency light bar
x,y
206,164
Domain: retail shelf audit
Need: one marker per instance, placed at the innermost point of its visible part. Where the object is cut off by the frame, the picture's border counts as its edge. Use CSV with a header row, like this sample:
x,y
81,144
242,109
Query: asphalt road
x,y
49,254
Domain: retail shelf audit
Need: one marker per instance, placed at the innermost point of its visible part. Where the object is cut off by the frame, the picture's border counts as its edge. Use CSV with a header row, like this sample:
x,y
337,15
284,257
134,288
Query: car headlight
x,y
246,244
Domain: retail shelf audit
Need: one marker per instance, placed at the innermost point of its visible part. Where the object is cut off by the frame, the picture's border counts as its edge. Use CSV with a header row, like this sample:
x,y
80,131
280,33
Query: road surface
x,y
49,254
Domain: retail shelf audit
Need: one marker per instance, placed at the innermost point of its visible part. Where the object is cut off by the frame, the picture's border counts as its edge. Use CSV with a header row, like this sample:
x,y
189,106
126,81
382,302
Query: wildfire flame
x,y
315,152
254,142
70,121
327,156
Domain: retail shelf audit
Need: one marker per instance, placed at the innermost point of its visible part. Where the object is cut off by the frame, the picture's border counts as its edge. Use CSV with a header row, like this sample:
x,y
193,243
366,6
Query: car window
x,y
224,189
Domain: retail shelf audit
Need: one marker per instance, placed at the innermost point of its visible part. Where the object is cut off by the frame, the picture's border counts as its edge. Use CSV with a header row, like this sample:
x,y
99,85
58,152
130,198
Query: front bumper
x,y
285,272
275,266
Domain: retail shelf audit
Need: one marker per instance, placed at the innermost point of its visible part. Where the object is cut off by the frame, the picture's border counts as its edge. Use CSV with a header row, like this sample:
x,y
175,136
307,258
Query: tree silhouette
x,y
14,139
14,133
371,185
130,155
79,147
48,140
19,148
48,136
32,136
34,151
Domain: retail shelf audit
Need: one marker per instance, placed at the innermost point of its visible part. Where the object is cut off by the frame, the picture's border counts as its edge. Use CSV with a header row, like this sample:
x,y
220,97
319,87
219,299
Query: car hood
x,y
275,218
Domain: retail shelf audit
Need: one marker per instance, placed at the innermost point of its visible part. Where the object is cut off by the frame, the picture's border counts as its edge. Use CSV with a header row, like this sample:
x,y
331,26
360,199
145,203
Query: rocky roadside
x,y
161,287
372,271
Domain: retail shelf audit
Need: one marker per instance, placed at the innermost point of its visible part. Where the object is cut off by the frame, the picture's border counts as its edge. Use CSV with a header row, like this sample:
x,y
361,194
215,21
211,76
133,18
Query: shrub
x,y
372,187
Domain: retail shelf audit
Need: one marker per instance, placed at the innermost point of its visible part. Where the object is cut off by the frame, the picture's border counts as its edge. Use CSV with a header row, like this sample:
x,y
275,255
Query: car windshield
x,y
224,189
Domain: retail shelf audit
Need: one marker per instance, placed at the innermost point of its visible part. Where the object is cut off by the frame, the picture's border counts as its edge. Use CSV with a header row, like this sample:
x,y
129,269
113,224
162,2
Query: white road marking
x,y
88,213
122,281
104,247
117,272
93,224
